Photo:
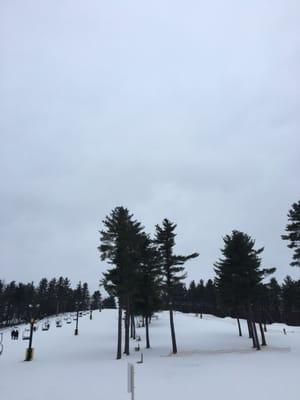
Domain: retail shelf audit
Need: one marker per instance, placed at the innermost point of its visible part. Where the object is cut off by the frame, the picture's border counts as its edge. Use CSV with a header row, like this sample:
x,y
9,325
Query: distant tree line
x,y
280,302
145,275
49,297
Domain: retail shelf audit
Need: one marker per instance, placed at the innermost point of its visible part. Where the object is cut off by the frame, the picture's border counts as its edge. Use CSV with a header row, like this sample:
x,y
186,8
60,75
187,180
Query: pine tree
x,y
239,275
96,300
147,296
210,296
290,293
42,294
85,301
293,233
109,302
52,296
119,245
77,297
60,293
172,267
273,307
192,292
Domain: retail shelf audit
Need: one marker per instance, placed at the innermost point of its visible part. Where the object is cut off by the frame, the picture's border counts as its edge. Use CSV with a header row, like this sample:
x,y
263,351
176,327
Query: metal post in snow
x,y
131,380
76,328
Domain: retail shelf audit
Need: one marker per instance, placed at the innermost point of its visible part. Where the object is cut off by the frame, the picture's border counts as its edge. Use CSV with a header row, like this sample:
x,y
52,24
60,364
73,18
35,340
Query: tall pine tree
x,y
293,233
172,267
239,275
119,246
147,297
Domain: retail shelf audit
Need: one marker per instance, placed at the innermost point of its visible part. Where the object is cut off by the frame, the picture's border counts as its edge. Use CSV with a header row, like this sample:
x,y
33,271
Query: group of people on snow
x,y
15,334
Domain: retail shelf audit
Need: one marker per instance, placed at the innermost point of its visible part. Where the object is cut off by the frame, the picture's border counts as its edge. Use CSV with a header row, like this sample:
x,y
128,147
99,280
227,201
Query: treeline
x,y
278,303
19,301
145,275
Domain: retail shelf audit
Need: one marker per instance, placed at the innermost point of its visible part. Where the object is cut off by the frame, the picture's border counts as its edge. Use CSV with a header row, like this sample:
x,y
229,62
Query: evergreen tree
x,y
293,233
172,267
85,300
109,302
239,275
82,296
180,296
147,296
42,295
291,300
60,293
96,300
52,296
210,297
273,306
192,292
119,245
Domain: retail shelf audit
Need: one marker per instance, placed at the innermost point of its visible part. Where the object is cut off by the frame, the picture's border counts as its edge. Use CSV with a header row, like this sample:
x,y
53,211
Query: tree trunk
x,y
239,325
127,326
265,327
174,346
119,346
147,332
249,329
133,326
263,338
126,332
252,328
255,336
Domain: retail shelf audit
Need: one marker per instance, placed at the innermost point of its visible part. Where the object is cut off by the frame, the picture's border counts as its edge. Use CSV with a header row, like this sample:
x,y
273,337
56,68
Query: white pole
x,y
130,377
132,391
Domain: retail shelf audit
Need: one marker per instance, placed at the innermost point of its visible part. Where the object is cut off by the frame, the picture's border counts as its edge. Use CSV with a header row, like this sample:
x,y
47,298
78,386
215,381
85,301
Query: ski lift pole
x,y
29,350
76,328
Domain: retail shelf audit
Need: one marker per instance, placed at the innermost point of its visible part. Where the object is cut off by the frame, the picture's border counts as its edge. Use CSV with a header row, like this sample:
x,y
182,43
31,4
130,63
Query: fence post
x,y
131,380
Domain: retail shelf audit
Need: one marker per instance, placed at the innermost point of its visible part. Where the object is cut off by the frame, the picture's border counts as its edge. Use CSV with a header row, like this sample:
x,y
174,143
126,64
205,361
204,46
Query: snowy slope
x,y
212,362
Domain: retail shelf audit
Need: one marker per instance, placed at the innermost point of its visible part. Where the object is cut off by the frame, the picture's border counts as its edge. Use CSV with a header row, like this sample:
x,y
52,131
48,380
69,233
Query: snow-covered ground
x,y
213,362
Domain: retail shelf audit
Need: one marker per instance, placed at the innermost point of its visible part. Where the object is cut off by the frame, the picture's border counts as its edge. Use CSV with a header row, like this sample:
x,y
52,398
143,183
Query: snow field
x,y
212,362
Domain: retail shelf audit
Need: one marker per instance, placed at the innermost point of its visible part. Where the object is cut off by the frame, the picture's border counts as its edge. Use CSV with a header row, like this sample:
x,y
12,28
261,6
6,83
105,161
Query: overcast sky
x,y
180,109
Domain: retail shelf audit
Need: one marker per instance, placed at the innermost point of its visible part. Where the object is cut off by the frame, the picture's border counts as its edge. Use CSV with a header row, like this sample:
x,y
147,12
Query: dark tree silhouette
x,y
239,275
147,297
96,300
52,297
172,267
293,233
119,246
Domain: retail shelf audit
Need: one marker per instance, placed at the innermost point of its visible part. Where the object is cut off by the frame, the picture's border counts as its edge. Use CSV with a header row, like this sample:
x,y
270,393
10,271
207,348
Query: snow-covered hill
x,y
212,362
